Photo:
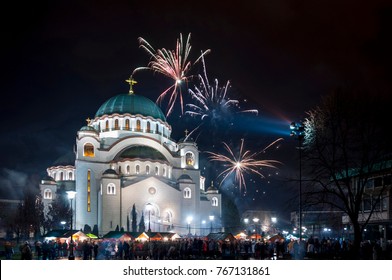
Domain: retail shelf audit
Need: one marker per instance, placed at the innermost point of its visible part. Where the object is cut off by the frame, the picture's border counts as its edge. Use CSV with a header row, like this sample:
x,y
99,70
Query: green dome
x,y
132,104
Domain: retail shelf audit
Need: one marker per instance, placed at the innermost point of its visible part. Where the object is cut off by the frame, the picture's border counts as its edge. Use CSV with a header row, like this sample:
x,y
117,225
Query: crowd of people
x,y
200,248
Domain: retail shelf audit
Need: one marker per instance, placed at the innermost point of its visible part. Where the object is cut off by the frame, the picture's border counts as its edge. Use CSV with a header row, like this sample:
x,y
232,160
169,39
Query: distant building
x,y
380,222
124,156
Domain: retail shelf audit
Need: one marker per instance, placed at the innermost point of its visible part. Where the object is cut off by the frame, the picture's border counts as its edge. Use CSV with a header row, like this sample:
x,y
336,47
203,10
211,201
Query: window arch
x,y
70,176
107,125
189,159
111,189
127,126
164,172
156,170
148,127
187,193
138,125
116,126
119,169
147,169
128,169
214,201
61,176
137,169
88,150
157,129
48,194
168,217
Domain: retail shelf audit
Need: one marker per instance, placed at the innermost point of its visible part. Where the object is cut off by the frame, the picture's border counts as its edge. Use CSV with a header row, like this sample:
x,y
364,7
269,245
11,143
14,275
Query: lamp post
x,y
274,220
256,220
297,130
211,220
189,220
246,221
71,196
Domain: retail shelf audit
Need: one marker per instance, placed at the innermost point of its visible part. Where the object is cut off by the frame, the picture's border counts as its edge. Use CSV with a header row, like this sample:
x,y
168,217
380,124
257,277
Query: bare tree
x,y
346,143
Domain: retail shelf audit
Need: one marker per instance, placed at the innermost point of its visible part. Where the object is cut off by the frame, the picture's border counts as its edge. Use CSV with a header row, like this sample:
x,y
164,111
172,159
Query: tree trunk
x,y
355,253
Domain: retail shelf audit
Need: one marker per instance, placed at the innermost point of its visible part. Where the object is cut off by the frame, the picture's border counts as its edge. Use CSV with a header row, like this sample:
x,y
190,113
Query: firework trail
x,y
174,64
244,162
212,101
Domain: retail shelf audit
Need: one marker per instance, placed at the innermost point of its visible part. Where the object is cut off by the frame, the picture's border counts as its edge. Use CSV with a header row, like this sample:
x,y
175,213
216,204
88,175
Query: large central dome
x,y
132,104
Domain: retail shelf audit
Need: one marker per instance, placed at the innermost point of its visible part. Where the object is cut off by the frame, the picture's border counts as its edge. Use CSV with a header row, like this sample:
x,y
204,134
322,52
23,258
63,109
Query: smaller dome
x,y
109,172
185,177
48,180
67,159
212,189
87,128
142,152
186,140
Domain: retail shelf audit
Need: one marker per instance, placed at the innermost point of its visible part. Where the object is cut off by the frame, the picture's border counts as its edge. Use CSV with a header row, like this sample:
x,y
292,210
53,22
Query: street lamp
x,y
71,196
189,220
298,130
211,220
256,220
148,208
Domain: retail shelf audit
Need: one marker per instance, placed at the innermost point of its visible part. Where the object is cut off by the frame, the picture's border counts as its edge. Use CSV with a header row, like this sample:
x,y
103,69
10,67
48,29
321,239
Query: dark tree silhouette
x,y
30,215
59,210
134,218
347,139
142,226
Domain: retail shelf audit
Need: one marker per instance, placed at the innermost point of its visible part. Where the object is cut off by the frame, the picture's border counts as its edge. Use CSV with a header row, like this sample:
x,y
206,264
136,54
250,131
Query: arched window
x,y
119,169
190,159
70,176
47,194
156,170
147,169
168,217
88,150
187,193
137,169
116,126
127,126
128,169
214,201
107,125
157,129
61,176
148,127
138,125
164,172
111,189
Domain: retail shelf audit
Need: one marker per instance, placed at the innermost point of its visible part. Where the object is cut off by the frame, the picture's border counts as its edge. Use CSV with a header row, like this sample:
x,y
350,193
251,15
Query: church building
x,y
125,157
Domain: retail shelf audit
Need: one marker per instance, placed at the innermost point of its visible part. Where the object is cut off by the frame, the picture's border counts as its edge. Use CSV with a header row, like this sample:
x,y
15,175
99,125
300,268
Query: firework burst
x,y
243,162
212,102
174,64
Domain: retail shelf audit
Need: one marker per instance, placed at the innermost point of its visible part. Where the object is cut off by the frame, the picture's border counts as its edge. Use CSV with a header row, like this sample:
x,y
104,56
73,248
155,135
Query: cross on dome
x,y
131,82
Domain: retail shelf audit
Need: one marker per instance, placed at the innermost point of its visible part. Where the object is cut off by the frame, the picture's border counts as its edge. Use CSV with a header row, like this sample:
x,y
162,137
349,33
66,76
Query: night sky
x,y
60,60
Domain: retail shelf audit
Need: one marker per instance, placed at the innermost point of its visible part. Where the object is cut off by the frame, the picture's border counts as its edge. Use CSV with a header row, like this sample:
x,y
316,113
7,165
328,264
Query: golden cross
x,y
88,121
131,82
